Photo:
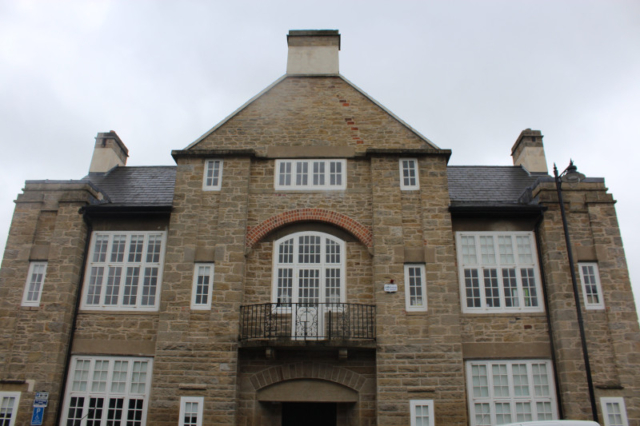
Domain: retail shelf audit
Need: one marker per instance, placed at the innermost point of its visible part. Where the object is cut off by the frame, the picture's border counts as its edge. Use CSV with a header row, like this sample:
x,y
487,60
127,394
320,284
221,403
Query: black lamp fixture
x,y
571,175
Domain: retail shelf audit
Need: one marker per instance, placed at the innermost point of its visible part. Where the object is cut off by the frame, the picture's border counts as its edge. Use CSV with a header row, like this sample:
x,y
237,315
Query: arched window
x,y
308,267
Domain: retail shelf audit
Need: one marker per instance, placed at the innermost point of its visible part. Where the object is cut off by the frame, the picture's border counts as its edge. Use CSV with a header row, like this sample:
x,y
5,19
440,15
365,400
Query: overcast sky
x,y
469,75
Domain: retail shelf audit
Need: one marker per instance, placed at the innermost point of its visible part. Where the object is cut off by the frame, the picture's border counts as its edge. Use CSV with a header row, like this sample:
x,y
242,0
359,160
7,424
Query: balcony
x,y
308,324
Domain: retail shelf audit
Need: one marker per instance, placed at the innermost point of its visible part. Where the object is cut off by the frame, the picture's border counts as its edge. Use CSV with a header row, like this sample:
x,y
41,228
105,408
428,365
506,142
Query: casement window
x,y
422,412
308,269
591,288
614,411
33,286
212,180
202,286
311,174
415,288
124,271
409,179
498,272
191,410
503,391
107,391
9,408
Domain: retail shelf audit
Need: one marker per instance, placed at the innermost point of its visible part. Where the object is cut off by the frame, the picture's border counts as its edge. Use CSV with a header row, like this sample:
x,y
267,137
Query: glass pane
x,y
153,248
131,286
149,287
100,248
491,289
332,285
510,288
529,290
487,250
525,254
285,286
302,171
119,377
95,285
415,287
472,288
309,249
285,254
100,371
468,250
113,286
500,380
136,245
480,380
506,250
309,286
118,247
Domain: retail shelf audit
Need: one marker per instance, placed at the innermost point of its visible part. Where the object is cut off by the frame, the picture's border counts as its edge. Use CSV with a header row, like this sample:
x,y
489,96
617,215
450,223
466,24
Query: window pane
x,y
529,287
95,285
35,281
500,380
506,250
525,254
487,250
118,247
415,287
7,408
472,285
302,171
510,288
131,286
309,249
100,371
318,173
135,248
468,250
491,290
100,248
284,178
285,286
309,286
332,285
285,254
113,286
480,381
153,248
335,173
333,252
150,286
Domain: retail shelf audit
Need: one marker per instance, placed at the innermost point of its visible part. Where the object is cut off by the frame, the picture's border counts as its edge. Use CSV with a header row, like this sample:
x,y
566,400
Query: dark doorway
x,y
309,414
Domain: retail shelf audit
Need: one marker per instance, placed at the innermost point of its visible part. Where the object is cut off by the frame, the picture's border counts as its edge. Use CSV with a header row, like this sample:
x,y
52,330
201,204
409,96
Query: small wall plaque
x,y
391,288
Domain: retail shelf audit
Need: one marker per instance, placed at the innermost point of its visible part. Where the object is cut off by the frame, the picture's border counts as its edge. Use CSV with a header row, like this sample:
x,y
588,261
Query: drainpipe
x,y
74,320
548,314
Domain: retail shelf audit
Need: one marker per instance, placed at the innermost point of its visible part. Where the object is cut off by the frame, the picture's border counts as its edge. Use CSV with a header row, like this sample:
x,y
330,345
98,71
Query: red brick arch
x,y
361,232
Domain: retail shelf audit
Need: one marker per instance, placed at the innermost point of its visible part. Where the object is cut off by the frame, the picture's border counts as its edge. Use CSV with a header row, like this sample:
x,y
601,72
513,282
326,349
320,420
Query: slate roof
x,y
136,186
153,186
489,185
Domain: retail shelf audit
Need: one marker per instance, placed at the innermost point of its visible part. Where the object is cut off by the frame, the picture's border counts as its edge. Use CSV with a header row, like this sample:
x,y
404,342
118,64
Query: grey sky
x,y
469,75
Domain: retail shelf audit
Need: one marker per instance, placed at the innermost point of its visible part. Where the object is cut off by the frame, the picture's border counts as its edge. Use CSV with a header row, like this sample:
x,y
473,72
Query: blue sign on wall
x,y
38,415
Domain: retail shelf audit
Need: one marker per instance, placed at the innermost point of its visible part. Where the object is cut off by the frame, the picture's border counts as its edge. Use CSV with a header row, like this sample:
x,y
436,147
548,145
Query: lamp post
x,y
571,175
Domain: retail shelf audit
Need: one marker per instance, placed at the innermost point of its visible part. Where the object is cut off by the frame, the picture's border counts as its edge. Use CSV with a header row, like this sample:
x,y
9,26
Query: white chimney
x,y
528,151
108,153
313,52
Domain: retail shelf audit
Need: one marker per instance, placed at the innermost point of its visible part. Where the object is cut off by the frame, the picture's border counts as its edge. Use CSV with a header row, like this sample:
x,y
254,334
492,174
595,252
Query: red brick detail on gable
x,y
361,232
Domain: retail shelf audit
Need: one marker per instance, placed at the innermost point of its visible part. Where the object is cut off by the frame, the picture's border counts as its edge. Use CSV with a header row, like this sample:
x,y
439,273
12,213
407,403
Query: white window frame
x,y
409,165
605,403
99,292
409,281
213,182
310,179
119,384
527,298
511,382
202,280
4,398
295,266
584,277
35,281
184,400
413,407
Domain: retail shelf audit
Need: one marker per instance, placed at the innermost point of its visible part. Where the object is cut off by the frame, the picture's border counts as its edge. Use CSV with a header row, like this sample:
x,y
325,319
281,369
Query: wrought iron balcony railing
x,y
307,321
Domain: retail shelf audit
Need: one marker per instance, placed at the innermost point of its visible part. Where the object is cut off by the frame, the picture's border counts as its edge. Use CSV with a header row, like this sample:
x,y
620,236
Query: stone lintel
x,y
311,152
505,350
204,254
113,347
307,390
192,386
39,252
419,254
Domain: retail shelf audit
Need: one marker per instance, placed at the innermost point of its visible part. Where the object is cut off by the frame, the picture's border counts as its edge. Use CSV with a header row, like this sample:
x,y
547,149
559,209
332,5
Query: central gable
x,y
311,111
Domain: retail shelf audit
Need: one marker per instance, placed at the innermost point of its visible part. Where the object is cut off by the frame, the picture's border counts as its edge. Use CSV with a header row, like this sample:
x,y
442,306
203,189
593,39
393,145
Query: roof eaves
x,y
234,113
366,95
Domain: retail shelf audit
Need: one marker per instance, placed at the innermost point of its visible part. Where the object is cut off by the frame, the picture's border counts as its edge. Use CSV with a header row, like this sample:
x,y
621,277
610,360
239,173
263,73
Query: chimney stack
x,y
109,152
528,151
313,52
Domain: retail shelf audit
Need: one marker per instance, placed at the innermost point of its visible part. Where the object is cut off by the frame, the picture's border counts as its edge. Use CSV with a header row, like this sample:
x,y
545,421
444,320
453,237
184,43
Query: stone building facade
x,y
312,259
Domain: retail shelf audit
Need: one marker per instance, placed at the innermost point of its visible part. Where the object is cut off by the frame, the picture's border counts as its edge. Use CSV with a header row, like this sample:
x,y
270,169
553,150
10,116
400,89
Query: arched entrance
x,y
309,402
